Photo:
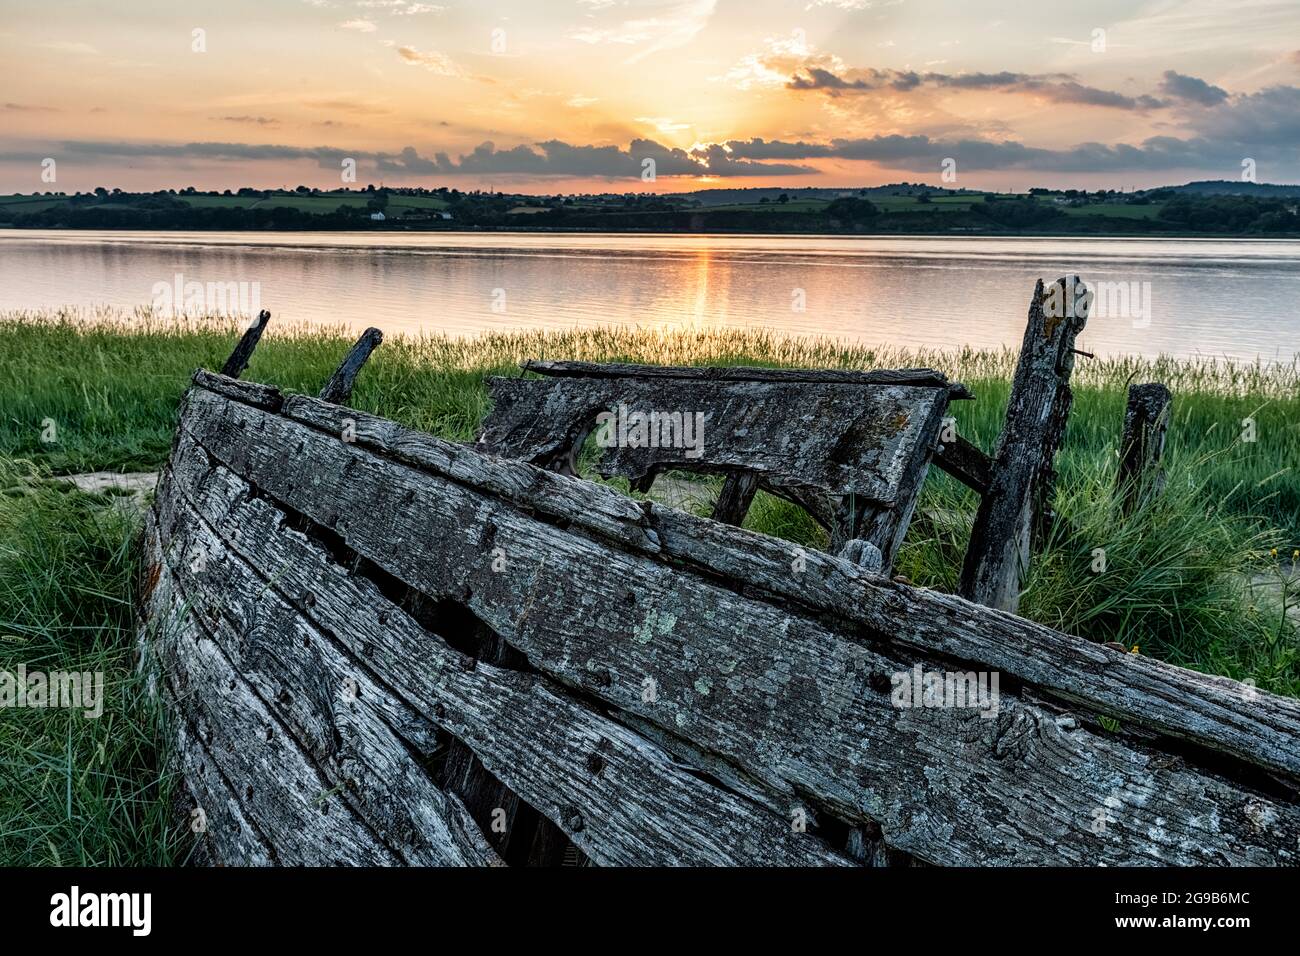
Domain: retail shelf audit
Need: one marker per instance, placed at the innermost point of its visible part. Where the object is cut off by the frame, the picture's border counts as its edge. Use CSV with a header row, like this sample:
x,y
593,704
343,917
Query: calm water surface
x,y
1193,297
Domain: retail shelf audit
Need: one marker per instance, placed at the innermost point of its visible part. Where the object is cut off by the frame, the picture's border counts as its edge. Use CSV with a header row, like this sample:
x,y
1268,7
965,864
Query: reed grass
x,y
76,790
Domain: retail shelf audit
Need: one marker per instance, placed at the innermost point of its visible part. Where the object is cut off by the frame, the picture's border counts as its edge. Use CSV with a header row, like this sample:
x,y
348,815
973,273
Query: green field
x,y
220,202
322,203
319,203
417,202
17,204
886,204
794,205
1117,210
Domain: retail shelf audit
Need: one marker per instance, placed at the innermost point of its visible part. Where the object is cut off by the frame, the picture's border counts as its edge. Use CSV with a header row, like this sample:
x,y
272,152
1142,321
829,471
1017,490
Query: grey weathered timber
x,y
339,635
1122,686
212,807
273,783
339,388
864,554
781,678
853,455
1018,494
922,377
1146,420
250,393
243,352
355,735
965,462
734,499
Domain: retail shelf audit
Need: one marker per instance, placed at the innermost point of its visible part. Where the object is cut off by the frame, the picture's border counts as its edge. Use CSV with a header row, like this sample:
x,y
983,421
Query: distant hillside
x,y
894,209
1230,187
731,197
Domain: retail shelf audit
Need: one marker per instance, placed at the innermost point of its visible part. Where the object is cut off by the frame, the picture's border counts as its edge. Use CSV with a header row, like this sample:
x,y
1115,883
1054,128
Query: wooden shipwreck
x,y
379,647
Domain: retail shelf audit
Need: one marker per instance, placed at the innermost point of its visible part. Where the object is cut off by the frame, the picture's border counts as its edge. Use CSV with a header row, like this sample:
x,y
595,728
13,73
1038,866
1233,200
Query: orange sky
x,y
577,95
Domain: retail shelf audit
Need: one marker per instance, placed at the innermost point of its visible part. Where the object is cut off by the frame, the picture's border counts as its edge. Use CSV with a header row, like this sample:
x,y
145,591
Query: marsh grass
x,y
109,382
77,791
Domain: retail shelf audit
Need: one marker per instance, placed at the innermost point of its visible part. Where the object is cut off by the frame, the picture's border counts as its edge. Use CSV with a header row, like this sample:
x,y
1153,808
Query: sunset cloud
x,y
432,60
576,95
254,120
656,26
401,8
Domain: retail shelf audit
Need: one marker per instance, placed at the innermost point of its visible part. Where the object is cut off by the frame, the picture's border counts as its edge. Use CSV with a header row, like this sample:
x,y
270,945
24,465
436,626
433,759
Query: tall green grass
x,y
109,384
75,791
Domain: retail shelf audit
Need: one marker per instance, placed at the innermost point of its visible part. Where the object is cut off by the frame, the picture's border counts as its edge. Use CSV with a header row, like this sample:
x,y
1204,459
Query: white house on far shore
x,y
377,216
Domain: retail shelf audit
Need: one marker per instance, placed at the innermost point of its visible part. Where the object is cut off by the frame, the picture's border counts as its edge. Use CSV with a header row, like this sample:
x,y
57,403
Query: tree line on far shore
x,y
918,212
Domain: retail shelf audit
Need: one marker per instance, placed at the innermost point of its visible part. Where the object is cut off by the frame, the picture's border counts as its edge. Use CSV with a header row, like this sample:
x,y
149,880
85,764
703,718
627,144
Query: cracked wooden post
x,y
238,360
735,497
1017,500
338,389
1146,420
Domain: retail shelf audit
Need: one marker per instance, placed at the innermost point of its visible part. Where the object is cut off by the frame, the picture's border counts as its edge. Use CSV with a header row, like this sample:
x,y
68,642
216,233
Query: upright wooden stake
x,y
1145,422
238,360
339,388
735,497
1019,489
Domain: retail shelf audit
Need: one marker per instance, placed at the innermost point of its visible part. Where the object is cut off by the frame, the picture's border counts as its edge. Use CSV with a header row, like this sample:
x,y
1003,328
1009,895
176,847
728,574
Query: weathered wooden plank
x,y
277,790
1215,712
275,786
794,702
339,388
250,393
243,352
356,734
818,443
885,528
212,813
1146,420
511,824
922,377
965,462
1019,489
597,780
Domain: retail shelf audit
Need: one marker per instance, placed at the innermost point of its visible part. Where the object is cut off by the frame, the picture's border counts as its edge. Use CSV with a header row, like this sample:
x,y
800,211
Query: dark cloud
x,y
93,149
1269,119
24,108
552,158
557,158
254,120
1055,87
1191,89
919,153
759,148
1071,92
407,161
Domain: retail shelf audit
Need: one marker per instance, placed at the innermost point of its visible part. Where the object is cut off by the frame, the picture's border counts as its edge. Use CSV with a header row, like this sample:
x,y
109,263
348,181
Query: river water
x,y
1184,297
